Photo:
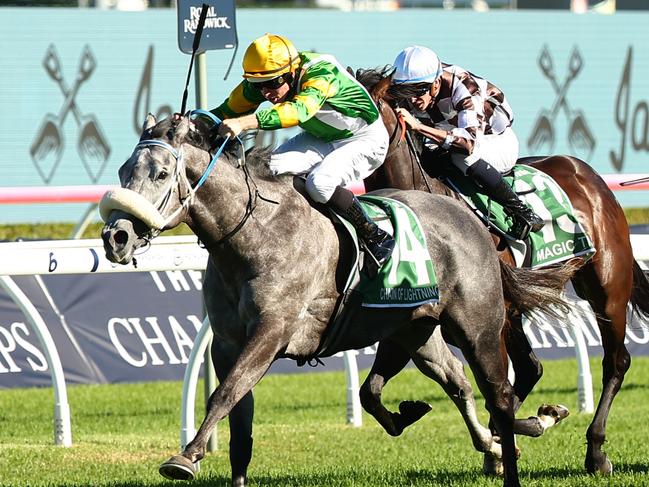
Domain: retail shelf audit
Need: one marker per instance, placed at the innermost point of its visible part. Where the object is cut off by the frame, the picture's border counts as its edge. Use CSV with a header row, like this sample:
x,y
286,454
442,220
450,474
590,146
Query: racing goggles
x,y
274,83
420,91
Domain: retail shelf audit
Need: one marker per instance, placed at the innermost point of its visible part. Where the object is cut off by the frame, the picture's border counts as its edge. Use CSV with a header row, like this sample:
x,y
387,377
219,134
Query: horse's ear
x,y
379,89
181,130
149,122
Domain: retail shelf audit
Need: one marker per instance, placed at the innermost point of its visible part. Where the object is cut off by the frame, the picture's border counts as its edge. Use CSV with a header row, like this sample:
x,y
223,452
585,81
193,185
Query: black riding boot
x,y
378,243
494,186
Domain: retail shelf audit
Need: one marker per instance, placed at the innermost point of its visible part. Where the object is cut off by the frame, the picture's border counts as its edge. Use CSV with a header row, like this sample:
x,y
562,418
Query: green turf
x,y
121,433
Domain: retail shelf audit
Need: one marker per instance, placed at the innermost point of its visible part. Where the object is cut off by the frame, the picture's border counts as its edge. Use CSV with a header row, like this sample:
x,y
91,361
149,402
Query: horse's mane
x,y
371,76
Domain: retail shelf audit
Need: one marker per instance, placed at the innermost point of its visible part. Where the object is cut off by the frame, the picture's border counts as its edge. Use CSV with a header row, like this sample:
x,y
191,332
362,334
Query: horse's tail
x,y
537,289
640,293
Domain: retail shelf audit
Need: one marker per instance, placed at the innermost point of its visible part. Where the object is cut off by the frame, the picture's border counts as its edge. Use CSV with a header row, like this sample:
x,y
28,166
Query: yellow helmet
x,y
268,57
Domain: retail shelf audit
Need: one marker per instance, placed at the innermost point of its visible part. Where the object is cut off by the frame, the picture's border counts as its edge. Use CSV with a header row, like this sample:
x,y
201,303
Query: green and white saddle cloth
x,y
408,278
561,238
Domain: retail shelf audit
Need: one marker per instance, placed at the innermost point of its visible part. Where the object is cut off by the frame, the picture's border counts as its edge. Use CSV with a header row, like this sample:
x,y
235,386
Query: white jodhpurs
x,y
500,151
331,164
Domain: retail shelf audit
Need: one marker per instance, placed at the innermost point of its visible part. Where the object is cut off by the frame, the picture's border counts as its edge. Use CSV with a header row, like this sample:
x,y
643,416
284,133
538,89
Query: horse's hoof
x,y
603,467
240,481
492,466
412,411
558,412
178,467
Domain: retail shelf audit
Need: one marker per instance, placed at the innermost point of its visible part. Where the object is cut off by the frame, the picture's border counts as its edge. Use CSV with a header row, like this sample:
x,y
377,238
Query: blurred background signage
x,y
219,32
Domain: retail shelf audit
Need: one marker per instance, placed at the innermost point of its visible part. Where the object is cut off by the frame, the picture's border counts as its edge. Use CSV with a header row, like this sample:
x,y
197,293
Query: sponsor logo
x,y
48,145
543,136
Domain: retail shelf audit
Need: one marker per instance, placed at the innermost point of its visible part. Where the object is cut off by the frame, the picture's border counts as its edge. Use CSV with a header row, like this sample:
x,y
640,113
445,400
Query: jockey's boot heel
x,y
496,188
525,221
378,243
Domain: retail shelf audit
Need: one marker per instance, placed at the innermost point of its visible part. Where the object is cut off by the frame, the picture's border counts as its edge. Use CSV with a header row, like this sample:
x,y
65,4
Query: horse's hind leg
x,y
528,371
436,361
484,350
608,291
389,361
527,367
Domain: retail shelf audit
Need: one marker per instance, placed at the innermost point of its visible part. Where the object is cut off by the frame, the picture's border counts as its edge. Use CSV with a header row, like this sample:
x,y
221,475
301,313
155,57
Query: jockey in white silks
x,y
467,116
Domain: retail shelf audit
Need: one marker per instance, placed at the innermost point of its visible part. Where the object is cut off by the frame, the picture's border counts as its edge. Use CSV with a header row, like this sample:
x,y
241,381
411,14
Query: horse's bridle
x,y
187,191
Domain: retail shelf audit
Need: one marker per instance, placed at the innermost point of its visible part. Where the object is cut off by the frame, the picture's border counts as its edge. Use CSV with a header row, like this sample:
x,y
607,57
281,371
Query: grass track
x,y
122,432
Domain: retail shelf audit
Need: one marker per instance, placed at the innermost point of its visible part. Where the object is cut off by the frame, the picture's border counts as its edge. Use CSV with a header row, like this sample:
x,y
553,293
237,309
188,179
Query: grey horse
x,y
276,270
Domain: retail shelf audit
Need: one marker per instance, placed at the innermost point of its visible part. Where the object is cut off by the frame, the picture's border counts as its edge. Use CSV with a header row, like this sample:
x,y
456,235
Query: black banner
x,y
140,326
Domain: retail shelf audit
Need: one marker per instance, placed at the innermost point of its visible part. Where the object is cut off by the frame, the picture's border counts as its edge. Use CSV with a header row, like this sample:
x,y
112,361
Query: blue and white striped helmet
x,y
416,64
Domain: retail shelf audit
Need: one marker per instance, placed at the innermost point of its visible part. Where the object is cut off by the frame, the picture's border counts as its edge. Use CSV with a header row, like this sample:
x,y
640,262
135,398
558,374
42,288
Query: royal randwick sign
x,y
219,31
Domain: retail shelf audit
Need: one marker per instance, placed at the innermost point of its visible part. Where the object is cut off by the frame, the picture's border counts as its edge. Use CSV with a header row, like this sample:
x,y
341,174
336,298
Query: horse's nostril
x,y
121,237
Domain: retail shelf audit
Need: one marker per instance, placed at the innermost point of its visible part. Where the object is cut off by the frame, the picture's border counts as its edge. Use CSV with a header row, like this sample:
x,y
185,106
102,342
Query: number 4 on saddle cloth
x,y
561,238
408,278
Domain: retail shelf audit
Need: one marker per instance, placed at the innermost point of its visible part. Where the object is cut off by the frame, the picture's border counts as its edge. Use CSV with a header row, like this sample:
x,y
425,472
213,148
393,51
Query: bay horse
x,y
609,281
277,266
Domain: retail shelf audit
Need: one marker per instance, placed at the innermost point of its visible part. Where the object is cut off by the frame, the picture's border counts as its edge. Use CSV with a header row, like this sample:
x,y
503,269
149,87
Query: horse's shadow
x,y
437,477
576,472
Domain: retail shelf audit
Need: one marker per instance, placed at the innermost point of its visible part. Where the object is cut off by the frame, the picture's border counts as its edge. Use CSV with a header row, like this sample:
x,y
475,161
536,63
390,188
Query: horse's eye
x,y
162,176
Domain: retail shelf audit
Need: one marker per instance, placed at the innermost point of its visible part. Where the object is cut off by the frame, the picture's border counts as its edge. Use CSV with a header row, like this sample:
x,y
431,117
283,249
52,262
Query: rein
x,y
414,159
250,207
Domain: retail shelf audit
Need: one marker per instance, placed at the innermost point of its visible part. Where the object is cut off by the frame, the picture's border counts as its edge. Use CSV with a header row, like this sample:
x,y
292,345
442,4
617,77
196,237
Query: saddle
x,y
561,239
407,280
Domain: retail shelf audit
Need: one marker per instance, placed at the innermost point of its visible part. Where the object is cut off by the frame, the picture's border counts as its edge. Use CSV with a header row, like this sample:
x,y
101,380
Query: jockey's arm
x,y
282,115
459,139
243,100
439,136
231,127
312,95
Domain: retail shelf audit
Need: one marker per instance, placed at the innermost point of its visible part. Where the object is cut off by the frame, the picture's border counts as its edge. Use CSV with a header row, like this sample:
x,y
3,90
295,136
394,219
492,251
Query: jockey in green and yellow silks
x,y
343,138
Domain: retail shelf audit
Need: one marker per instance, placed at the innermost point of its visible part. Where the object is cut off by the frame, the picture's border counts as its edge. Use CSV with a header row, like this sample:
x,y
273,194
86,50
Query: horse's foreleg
x,y
256,357
389,361
240,418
